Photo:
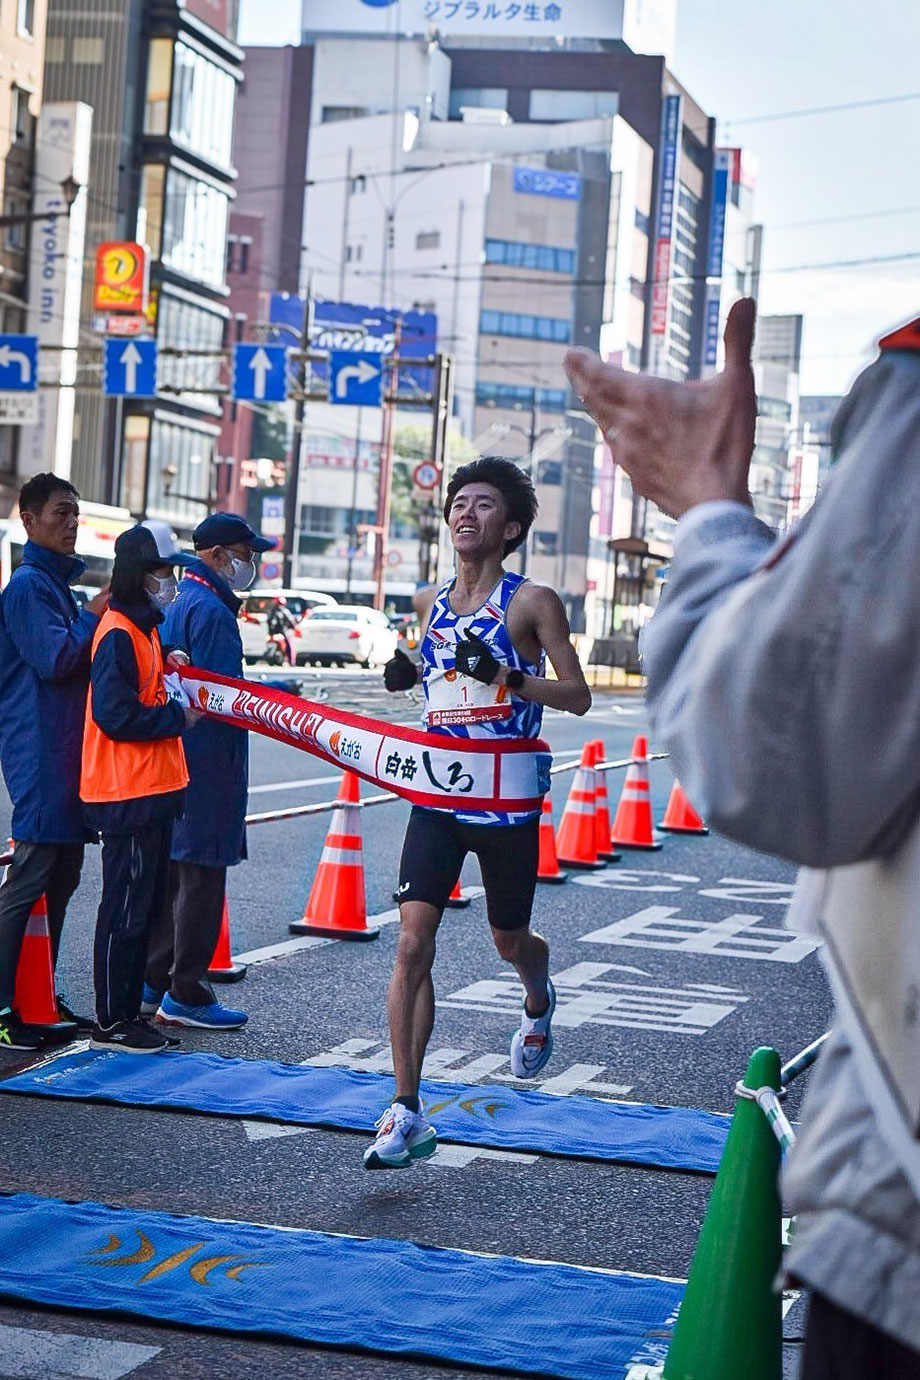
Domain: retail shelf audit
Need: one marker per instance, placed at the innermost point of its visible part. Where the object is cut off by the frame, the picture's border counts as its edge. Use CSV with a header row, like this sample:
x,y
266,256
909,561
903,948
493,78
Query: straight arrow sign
x,y
261,365
130,358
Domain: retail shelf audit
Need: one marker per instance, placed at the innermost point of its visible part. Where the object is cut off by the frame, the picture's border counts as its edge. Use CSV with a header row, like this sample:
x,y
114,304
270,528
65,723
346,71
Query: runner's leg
x,y
410,997
508,857
430,865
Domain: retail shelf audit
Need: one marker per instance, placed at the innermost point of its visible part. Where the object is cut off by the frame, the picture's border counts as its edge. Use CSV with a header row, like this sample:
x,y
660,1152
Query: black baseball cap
x,y
144,547
228,529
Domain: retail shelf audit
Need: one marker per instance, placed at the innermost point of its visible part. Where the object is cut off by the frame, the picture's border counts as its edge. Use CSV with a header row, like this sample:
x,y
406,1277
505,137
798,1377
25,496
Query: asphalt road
x,y
676,1007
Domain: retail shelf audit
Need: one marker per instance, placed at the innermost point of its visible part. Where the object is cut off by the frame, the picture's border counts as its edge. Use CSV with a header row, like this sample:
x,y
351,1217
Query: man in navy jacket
x,y
45,644
211,835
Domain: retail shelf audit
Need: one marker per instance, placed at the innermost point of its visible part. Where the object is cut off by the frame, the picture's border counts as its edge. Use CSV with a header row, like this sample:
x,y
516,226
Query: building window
x,y
159,86
195,228
428,239
572,105
774,407
553,328
544,543
25,18
517,396
642,222
549,472
238,247
22,121
16,237
516,254
134,471
88,52
330,113
203,99
354,253
187,326
150,210
320,522
180,471
483,97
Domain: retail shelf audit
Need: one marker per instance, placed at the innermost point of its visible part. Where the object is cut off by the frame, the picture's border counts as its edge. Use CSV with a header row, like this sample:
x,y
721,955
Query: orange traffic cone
x,y
601,810
35,998
456,900
222,967
548,869
680,816
336,908
576,845
632,827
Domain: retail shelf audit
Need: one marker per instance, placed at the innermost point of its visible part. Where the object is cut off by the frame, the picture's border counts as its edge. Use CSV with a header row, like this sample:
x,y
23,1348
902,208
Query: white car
x,y
346,633
268,612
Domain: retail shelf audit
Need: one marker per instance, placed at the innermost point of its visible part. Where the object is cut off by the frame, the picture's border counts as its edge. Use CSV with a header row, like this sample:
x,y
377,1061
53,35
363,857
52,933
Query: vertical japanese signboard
x,y
664,222
714,254
62,148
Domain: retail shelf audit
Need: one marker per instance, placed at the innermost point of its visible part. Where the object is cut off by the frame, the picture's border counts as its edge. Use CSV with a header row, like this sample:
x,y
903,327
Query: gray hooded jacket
x,y
784,678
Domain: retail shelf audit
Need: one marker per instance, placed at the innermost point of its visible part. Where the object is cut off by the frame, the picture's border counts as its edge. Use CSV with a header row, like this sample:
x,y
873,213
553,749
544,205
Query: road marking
x,y
33,1355
459,1156
737,936
632,879
583,998
286,947
751,892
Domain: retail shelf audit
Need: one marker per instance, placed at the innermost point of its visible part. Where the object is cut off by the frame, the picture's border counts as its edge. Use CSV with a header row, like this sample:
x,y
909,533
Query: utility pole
x,y
291,506
531,447
352,532
385,481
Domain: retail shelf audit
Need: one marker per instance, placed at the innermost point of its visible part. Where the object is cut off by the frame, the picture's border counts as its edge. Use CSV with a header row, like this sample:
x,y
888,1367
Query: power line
x,y
823,109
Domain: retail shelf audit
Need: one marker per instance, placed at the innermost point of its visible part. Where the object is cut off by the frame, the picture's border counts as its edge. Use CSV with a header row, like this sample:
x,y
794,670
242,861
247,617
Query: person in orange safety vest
x,y
133,779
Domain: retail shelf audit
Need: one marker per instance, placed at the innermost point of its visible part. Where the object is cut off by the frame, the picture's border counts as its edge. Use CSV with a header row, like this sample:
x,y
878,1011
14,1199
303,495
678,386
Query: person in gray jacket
x,y
784,678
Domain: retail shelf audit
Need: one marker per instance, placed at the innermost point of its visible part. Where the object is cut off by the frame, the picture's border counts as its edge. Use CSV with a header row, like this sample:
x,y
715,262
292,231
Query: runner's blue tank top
x,y
461,707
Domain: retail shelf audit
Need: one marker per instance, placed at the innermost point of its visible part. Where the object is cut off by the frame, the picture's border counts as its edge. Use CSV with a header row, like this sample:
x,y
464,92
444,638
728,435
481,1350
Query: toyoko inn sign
x,y
482,18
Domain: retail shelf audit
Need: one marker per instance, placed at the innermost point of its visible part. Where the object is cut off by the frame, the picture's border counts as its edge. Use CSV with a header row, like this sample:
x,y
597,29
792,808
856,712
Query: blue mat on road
x,y
497,1117
493,1312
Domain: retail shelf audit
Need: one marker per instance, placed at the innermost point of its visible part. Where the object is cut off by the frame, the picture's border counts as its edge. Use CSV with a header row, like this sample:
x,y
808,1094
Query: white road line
x,y
295,785
28,1354
286,947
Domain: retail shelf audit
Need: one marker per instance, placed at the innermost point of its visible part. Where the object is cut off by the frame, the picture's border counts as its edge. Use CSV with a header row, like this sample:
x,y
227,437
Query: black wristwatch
x,y
514,679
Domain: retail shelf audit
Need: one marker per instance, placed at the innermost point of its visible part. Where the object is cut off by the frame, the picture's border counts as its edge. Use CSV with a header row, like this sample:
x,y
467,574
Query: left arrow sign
x,y
9,357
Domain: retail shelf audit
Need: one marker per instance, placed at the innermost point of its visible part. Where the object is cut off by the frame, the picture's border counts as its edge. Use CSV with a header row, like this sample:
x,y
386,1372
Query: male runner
x,y
483,659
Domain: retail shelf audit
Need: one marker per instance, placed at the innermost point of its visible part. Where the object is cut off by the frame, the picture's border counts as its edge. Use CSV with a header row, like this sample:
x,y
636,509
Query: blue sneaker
x,y
150,1001
210,1017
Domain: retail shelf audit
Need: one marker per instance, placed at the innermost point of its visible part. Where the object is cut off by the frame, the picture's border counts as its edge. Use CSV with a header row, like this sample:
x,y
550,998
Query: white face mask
x,y
167,588
241,573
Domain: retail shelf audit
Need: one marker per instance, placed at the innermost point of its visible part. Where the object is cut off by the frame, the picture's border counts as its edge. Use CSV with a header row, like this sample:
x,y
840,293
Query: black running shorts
x,y
436,844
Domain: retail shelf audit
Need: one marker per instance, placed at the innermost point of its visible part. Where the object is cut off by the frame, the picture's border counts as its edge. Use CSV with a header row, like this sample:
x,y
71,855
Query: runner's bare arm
x,y
537,616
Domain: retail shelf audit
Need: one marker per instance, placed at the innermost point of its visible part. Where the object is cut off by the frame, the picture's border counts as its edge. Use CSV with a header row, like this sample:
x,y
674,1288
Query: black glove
x,y
400,672
474,658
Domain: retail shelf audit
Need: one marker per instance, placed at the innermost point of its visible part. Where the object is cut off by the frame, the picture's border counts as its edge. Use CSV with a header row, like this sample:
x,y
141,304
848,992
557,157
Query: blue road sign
x,y
259,373
18,363
130,369
355,378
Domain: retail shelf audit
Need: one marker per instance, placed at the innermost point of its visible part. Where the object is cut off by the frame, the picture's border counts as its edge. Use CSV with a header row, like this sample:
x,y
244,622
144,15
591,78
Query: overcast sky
x,y
853,171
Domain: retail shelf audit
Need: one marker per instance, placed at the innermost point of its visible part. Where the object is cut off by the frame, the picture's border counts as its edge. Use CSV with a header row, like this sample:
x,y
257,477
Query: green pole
x,y
730,1321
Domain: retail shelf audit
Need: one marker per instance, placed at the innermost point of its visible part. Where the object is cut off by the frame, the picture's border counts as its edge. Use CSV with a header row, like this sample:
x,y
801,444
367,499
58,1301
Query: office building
x,y
22,51
160,77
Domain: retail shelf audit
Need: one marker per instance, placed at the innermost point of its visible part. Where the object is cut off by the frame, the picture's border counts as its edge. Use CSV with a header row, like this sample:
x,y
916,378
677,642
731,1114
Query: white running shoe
x,y
402,1136
532,1045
